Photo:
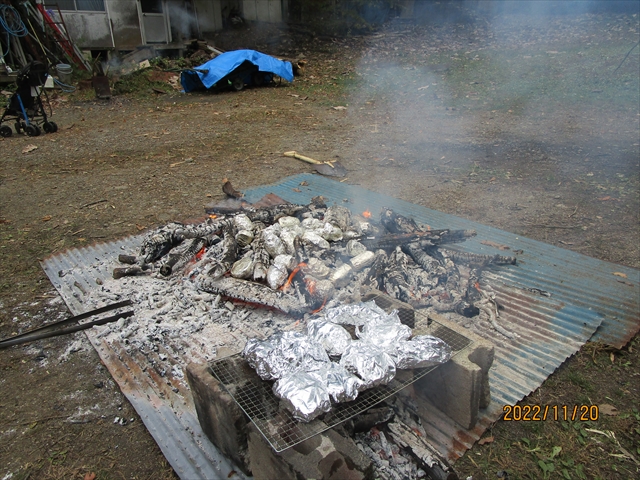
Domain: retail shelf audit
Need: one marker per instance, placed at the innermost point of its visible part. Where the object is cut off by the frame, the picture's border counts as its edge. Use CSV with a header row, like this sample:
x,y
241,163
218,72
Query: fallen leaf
x,y
607,409
495,245
339,107
29,148
296,190
604,199
485,440
46,218
140,227
620,274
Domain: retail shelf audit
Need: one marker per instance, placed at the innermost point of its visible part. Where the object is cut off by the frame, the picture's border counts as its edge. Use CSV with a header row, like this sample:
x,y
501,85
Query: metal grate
x,y
280,429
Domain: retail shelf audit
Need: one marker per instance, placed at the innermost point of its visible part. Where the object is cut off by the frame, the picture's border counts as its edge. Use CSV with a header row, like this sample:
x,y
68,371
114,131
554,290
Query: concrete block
x,y
460,388
328,456
220,417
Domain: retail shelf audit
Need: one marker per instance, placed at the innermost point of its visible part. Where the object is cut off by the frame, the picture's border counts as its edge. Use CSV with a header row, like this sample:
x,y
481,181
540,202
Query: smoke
x,y
183,20
462,84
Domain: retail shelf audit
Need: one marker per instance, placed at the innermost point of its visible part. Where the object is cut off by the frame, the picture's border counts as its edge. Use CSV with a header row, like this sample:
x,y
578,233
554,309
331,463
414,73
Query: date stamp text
x,y
541,413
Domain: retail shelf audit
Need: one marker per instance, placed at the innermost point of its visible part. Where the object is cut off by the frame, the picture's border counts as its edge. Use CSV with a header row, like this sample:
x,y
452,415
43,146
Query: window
x,y
86,5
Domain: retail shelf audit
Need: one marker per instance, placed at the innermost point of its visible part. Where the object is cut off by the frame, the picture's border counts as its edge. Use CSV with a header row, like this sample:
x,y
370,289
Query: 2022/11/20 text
x,y
540,413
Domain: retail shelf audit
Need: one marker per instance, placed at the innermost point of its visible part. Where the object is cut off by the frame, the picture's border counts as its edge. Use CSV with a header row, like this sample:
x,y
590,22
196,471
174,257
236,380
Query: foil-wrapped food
x,y
356,314
342,386
371,364
334,338
304,394
384,332
284,353
420,352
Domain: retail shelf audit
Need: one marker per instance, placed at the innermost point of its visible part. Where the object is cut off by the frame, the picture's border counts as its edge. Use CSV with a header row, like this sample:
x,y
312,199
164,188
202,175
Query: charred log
x,y
179,260
225,253
255,294
479,260
396,223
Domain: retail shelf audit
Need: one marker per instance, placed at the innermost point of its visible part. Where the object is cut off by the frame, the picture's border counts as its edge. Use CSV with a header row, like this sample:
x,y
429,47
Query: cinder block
x,y
328,456
460,388
220,417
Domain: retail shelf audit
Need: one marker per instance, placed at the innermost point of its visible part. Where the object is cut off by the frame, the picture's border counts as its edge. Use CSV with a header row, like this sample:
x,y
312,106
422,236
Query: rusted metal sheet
x,y
163,402
577,280
585,298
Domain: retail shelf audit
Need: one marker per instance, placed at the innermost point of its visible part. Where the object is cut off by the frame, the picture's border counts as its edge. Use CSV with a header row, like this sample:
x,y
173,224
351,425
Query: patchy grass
x,y
606,445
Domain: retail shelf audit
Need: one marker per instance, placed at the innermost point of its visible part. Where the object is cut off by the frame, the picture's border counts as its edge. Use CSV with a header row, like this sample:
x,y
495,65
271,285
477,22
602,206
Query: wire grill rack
x,y
256,398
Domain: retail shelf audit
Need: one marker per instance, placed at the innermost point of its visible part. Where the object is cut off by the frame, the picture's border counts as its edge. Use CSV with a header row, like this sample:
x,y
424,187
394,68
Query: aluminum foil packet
x,y
420,352
356,314
384,332
342,386
283,353
334,338
272,242
276,276
371,364
304,394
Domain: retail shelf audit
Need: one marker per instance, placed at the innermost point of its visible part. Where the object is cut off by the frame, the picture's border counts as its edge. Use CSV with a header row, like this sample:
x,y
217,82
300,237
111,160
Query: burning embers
x,y
297,259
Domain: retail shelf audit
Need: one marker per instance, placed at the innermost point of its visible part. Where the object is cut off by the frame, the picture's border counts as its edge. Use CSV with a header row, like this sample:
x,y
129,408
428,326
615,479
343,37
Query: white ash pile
x,y
293,260
298,258
279,262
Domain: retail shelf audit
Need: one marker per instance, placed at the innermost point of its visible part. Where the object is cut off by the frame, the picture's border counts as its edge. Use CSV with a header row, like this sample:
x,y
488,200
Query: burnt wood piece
x,y
396,223
225,253
127,259
479,260
395,277
338,216
228,189
436,237
379,266
160,242
178,260
254,293
266,215
429,263
261,257
127,272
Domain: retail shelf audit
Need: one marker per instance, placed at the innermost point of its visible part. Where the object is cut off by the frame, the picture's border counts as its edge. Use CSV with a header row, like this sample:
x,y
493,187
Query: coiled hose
x,y
12,24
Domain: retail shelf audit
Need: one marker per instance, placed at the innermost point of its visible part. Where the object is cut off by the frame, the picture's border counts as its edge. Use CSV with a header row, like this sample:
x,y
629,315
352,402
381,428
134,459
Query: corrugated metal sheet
x,y
163,403
585,298
576,280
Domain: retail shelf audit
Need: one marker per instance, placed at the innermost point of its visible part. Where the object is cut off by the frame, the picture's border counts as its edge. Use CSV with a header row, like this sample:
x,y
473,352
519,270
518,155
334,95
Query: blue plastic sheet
x,y
211,72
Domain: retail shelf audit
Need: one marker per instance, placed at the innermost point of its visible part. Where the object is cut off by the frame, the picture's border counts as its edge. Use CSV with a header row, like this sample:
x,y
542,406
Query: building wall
x,y
125,23
262,10
89,30
209,16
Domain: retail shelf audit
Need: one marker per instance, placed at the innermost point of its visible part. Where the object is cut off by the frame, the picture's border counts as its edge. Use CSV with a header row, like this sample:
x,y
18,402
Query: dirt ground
x,y
516,122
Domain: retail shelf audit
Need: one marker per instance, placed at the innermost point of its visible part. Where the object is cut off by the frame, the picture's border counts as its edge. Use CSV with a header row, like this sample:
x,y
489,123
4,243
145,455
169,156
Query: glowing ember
x,y
294,272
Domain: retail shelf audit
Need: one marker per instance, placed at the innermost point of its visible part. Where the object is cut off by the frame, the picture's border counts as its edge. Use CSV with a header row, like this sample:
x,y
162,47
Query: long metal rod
x,y
58,328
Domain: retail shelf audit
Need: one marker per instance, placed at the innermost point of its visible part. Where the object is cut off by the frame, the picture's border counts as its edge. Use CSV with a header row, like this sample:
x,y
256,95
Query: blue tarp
x,y
227,62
